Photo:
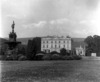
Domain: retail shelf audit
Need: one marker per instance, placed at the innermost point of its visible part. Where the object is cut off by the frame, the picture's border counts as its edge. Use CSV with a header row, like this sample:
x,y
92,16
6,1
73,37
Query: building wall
x,y
49,44
80,51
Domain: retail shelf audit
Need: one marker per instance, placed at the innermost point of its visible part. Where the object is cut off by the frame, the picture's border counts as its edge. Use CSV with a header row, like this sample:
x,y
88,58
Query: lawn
x,y
85,70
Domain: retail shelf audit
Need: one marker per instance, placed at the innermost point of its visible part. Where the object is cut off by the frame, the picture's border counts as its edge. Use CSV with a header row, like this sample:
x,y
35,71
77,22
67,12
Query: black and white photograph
x,y
49,40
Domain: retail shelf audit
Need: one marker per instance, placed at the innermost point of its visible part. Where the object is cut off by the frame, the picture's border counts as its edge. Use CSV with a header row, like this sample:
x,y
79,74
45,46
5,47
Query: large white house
x,y
55,43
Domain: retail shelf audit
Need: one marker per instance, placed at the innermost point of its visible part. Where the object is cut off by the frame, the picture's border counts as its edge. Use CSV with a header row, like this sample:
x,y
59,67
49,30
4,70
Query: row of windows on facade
x,y
54,41
53,46
47,51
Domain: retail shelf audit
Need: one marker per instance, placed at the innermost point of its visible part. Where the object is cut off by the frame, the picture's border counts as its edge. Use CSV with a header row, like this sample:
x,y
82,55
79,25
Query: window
x,y
55,42
51,41
55,46
64,41
44,50
64,46
47,46
59,41
68,46
51,46
43,46
68,42
43,41
48,51
47,41
59,46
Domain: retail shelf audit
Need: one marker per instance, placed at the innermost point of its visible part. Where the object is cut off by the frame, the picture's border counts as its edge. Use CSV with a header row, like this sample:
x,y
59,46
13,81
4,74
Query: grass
x,y
86,70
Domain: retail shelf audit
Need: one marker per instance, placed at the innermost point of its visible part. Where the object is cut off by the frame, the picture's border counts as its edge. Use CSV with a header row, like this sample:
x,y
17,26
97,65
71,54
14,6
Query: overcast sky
x,y
76,18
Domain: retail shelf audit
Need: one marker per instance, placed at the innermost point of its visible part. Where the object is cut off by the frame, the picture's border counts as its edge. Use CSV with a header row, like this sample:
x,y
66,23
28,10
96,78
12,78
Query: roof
x,y
56,36
78,44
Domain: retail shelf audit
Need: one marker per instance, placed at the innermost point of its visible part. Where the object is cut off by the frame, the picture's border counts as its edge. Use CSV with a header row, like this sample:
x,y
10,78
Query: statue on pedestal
x,y
12,43
12,35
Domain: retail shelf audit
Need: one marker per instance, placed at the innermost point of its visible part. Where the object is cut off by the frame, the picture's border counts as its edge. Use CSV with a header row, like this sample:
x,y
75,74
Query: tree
x,y
97,44
93,44
33,47
63,51
90,44
1,51
37,45
29,52
22,49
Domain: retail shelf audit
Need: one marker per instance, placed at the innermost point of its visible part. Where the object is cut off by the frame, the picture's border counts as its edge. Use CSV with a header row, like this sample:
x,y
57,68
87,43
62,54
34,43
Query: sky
x,y
76,18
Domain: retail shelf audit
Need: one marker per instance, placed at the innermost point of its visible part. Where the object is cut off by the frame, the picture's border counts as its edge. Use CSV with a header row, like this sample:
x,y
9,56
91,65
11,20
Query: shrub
x,y
47,57
72,57
59,57
39,56
51,57
21,58
42,52
76,57
19,55
67,57
2,57
8,57
54,52
63,52
55,57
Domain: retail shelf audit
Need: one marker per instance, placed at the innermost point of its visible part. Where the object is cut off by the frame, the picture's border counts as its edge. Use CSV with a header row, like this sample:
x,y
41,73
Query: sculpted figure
x,y
13,26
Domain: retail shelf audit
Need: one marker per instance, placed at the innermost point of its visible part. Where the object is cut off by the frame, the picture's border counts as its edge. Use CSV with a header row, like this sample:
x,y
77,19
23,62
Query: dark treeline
x,y
93,45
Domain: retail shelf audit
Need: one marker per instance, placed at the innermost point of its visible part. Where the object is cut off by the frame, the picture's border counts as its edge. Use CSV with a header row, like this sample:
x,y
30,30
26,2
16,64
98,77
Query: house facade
x,y
55,43
80,51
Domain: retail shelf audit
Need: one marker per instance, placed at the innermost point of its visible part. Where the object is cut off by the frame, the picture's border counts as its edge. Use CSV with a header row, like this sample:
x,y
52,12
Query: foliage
x,y
54,52
63,51
71,57
67,57
42,52
29,53
93,44
13,57
21,58
47,57
51,57
60,57
76,57
39,56
33,47
3,48
10,57
22,49
55,57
